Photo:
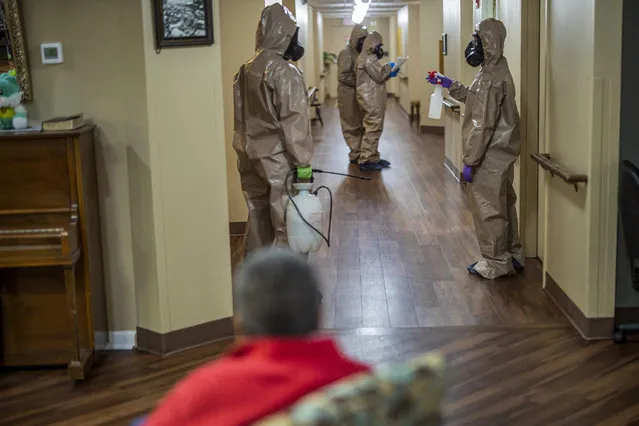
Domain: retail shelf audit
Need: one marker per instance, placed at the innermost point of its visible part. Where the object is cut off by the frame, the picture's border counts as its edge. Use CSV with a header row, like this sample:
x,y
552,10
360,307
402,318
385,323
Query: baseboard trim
x,y
187,338
452,169
589,328
121,340
627,315
433,130
236,229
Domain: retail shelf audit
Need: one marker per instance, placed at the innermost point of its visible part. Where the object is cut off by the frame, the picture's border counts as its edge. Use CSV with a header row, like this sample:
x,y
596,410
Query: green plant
x,y
329,58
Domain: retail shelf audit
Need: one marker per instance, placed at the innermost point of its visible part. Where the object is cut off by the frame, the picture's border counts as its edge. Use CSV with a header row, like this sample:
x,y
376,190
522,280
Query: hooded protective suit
x,y
350,113
272,127
491,132
371,96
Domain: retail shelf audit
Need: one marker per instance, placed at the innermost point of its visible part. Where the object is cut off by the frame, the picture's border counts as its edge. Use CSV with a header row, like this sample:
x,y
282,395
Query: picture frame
x,y
183,23
14,40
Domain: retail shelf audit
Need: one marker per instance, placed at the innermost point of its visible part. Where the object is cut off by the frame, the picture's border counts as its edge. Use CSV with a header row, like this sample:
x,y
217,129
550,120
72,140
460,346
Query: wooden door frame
x,y
531,26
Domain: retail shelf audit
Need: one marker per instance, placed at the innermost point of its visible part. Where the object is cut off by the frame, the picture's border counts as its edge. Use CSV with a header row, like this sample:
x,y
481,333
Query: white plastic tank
x,y
301,237
436,103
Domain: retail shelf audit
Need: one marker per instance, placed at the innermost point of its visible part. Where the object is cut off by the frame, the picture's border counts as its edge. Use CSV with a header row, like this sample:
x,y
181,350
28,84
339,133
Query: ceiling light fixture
x,y
359,10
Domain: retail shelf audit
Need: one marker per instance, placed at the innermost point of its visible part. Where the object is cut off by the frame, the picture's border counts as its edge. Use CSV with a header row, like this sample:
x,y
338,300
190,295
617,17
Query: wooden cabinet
x,y
52,296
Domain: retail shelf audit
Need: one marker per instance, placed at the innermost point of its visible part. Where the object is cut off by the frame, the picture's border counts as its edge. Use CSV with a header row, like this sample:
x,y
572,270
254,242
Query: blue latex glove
x,y
392,64
394,73
467,174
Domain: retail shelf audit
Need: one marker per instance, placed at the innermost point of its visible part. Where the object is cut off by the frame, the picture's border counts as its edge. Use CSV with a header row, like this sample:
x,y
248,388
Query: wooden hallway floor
x,y
523,376
401,243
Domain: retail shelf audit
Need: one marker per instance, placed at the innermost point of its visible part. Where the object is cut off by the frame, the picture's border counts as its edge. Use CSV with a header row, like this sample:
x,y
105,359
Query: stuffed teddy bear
x,y
12,114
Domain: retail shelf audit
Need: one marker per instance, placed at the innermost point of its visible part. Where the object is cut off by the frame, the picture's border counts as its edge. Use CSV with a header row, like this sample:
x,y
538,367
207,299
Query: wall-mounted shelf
x,y
545,162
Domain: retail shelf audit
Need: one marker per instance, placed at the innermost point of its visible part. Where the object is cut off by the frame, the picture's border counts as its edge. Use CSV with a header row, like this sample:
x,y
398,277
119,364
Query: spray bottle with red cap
x,y
437,98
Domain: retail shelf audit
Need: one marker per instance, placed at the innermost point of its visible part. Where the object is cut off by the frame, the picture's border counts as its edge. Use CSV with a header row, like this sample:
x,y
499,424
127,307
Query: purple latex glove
x,y
467,174
446,82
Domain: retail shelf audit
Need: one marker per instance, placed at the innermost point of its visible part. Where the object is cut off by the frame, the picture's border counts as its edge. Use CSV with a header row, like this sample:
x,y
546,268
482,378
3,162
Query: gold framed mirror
x,y
13,47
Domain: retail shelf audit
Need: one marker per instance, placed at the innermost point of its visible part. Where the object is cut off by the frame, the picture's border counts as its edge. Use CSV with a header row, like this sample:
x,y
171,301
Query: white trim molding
x,y
121,340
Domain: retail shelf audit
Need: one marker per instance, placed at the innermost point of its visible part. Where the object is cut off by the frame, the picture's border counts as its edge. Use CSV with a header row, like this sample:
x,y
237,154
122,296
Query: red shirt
x,y
259,378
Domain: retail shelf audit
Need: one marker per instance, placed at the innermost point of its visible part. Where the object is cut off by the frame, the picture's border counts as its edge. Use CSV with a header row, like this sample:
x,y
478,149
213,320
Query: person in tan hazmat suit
x,y
272,126
371,78
350,113
491,131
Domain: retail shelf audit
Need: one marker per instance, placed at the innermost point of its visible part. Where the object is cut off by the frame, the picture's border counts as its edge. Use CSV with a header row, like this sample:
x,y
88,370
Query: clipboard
x,y
399,63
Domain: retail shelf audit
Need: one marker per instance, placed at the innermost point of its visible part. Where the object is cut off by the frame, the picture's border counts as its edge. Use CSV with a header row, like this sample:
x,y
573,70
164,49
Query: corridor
x,y
400,243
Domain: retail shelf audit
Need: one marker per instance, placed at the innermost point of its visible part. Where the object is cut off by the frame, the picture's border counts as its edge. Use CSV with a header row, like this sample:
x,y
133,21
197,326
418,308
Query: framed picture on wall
x,y
181,23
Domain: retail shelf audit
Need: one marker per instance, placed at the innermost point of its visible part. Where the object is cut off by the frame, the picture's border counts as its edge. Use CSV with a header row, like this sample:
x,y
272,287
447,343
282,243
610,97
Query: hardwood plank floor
x,y
497,375
401,242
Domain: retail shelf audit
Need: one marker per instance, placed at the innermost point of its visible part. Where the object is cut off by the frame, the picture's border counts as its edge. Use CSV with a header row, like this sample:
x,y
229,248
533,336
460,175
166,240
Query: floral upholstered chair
x,y
407,394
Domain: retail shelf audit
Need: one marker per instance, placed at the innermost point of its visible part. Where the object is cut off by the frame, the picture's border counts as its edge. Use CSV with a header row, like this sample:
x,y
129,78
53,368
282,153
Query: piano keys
x,y
52,295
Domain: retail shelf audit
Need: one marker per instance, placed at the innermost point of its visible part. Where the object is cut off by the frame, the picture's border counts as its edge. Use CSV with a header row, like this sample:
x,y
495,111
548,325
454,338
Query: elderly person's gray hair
x,y
277,294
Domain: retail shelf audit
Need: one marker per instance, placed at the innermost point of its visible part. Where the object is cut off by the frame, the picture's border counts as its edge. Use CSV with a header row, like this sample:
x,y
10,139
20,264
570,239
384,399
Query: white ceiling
x,y
344,8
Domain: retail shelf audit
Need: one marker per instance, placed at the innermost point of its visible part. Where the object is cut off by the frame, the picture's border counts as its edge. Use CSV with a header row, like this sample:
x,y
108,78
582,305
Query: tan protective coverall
x,y
371,96
350,113
272,128
491,132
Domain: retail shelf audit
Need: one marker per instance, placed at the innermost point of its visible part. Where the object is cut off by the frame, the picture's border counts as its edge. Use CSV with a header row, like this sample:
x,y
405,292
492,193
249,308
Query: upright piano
x,y
52,296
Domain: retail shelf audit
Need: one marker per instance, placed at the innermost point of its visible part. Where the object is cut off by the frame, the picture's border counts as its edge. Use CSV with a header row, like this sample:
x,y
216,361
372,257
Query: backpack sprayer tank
x,y
305,216
301,237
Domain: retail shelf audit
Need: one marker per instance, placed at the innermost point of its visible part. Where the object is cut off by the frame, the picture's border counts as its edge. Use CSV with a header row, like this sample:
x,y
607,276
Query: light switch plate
x,y
51,53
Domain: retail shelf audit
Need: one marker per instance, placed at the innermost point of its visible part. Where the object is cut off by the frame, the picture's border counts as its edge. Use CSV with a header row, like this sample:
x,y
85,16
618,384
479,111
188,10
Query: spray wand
x,y
342,174
330,194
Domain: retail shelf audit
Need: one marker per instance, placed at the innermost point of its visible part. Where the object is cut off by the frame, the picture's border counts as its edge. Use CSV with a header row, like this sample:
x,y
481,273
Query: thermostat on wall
x,y
51,53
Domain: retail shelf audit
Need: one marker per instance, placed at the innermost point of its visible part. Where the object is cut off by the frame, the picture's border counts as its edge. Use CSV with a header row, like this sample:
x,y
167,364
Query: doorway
x,y
626,298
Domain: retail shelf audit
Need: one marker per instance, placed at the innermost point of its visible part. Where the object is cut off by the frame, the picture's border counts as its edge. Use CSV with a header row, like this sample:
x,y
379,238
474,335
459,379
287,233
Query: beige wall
x,y
236,18
430,33
415,69
335,39
290,4
393,83
161,155
458,24
304,14
486,10
319,53
582,125
509,12
189,178
103,76
403,37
